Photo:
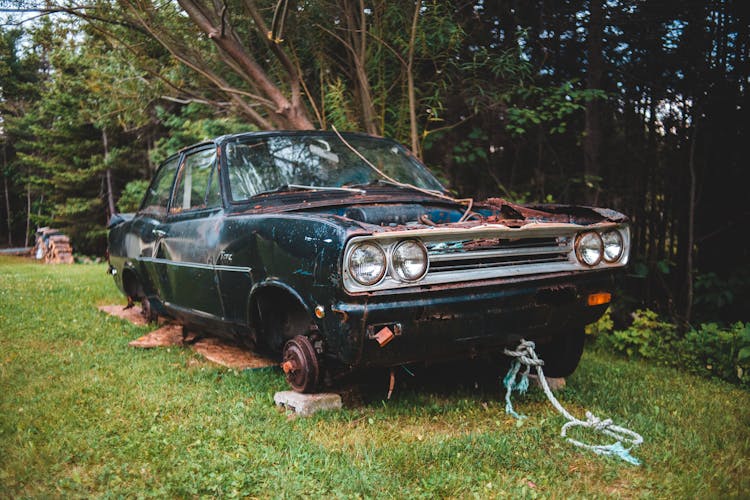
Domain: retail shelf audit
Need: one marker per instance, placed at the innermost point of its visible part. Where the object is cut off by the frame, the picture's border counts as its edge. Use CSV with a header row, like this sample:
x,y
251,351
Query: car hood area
x,y
379,210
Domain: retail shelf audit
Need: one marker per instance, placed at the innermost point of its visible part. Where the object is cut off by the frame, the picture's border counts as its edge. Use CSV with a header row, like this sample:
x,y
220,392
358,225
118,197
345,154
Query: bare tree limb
x,y
290,68
306,90
414,129
292,113
188,101
211,76
81,12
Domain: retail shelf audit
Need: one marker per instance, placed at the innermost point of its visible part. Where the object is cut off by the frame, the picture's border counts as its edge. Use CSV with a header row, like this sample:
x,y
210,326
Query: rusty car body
x,y
342,251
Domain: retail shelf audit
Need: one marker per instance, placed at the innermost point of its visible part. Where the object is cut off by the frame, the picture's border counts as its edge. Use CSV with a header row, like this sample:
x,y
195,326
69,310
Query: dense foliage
x,y
709,349
637,105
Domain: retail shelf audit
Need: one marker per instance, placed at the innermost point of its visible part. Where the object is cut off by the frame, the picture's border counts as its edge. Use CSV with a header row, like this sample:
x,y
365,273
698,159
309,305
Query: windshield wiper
x,y
404,185
302,187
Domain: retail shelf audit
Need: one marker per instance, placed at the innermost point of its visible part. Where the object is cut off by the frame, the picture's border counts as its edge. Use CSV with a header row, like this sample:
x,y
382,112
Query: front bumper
x,y
467,321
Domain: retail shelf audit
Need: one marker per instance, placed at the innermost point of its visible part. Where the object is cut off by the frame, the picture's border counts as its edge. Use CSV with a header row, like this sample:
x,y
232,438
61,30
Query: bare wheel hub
x,y
300,364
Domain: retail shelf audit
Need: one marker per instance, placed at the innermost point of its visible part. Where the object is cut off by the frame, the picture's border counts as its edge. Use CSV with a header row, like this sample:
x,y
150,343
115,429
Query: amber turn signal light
x,y
597,299
320,312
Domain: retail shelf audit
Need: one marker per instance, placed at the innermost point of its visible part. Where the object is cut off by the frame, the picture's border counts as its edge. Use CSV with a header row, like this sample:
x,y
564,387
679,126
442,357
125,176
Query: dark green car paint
x,y
222,269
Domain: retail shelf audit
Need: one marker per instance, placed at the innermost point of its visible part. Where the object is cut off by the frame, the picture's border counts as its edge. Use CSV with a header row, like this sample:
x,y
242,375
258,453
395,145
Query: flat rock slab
x,y
166,336
231,355
307,404
131,314
216,350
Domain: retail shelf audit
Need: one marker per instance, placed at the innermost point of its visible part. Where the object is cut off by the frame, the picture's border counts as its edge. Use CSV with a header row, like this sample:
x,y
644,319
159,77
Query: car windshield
x,y
284,162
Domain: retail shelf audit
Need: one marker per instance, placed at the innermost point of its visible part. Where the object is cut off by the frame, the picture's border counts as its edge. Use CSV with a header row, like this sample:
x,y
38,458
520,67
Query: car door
x,y
189,237
142,242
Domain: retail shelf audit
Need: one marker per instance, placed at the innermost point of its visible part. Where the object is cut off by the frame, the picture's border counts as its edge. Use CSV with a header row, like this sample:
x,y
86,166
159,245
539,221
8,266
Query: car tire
x,y
562,355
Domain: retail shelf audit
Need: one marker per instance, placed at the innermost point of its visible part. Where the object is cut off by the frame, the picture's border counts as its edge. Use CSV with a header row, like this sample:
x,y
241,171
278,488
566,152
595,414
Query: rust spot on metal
x,y
344,314
391,383
441,317
424,219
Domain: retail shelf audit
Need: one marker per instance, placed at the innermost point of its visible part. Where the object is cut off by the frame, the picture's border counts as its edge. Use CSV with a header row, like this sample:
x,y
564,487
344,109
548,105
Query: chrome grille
x,y
496,253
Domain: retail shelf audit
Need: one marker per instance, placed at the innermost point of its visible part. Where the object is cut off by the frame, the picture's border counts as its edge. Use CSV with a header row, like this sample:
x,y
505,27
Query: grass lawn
x,y
82,414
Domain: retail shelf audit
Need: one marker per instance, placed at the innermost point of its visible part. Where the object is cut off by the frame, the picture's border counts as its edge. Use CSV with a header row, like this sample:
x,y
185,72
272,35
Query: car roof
x,y
223,139
269,133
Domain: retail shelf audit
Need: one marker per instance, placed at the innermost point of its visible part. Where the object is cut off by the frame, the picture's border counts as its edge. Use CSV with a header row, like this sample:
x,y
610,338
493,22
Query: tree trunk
x,y
28,213
688,311
108,175
7,196
593,135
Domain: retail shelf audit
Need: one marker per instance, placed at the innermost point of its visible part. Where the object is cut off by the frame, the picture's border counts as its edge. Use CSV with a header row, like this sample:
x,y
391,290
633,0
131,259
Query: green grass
x,y
82,414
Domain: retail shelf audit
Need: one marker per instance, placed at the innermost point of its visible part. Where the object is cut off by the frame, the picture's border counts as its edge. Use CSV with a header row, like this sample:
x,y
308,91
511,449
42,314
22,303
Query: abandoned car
x,y
342,251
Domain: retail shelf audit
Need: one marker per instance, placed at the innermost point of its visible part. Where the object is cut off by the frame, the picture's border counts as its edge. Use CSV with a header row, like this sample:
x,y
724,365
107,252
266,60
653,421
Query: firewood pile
x,y
52,246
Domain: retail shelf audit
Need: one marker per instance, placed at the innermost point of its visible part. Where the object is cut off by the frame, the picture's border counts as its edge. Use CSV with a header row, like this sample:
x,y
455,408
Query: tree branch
x,y
291,69
81,12
215,79
291,112
414,130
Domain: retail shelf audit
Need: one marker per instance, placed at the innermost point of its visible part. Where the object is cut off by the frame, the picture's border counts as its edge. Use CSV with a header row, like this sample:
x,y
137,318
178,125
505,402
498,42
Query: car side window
x,y
213,197
157,197
193,180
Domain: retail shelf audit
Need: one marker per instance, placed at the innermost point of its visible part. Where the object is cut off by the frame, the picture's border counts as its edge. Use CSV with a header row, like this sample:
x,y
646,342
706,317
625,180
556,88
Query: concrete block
x,y
555,384
307,404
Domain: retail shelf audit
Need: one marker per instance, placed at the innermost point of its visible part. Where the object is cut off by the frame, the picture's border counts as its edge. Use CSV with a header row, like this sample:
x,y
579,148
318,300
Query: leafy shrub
x,y
709,349
713,350
648,336
603,325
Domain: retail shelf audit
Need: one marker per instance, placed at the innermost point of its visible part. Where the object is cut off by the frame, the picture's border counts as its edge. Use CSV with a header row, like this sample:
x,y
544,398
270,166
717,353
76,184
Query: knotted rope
x,y
526,355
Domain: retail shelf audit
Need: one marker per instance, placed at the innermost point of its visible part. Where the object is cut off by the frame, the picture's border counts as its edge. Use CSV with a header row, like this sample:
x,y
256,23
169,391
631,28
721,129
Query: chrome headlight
x,y
613,246
589,248
409,260
367,263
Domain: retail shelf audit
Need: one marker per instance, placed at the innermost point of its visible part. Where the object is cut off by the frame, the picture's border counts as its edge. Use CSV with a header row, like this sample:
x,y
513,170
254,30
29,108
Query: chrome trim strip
x,y
530,230
232,268
196,265
194,312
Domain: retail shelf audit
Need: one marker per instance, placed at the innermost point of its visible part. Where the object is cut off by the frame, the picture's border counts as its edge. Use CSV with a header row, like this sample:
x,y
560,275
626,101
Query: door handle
x,y
159,233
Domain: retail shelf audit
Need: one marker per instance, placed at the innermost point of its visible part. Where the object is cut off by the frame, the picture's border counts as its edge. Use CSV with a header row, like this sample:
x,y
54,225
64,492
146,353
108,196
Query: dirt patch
x,y
217,350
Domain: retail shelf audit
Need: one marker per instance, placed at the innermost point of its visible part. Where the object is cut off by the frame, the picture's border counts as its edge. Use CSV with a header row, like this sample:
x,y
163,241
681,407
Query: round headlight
x,y
613,245
409,260
367,263
589,248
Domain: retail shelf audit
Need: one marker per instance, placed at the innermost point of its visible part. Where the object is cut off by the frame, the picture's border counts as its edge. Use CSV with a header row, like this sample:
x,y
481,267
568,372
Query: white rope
x,y
526,355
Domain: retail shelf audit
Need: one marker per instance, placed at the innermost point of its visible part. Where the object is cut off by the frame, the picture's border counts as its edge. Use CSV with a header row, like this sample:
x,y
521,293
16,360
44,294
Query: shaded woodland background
x,y
636,105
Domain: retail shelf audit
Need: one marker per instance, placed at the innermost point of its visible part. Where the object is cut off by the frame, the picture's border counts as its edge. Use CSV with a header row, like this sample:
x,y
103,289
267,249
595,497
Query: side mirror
x,y
115,220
